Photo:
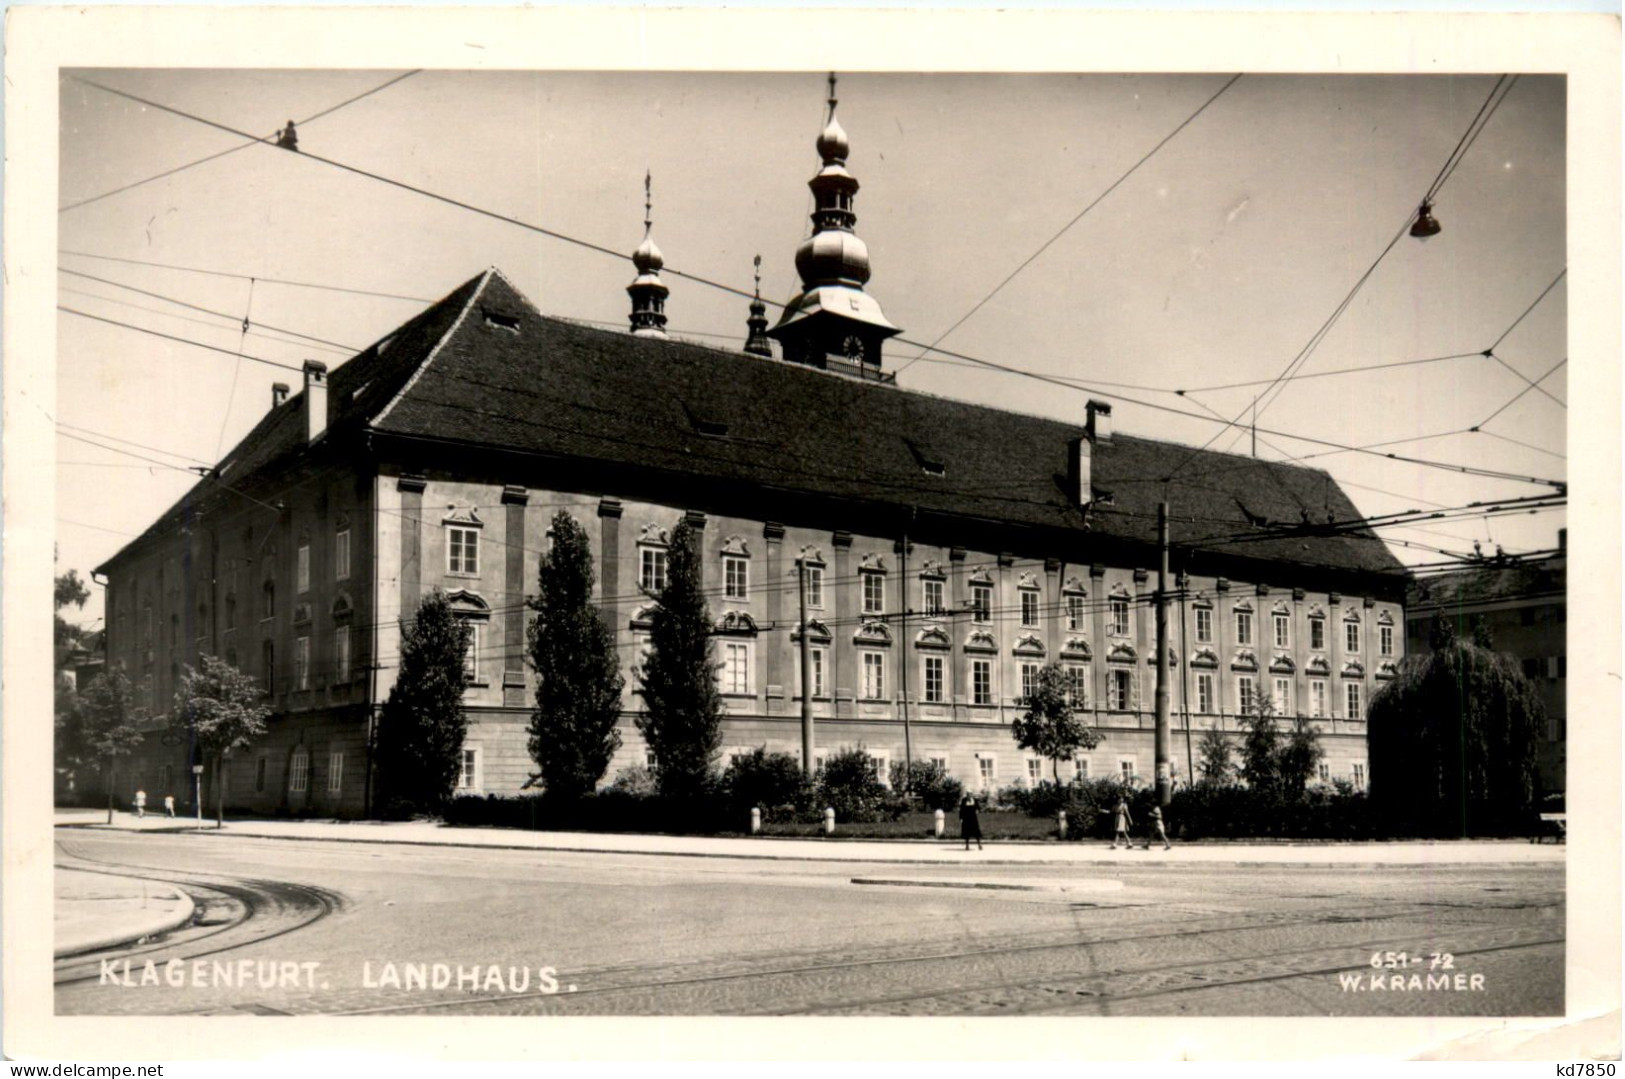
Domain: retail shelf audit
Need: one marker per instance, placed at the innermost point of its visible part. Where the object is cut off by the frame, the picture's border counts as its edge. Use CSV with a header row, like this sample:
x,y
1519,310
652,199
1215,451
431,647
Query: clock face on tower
x,y
852,347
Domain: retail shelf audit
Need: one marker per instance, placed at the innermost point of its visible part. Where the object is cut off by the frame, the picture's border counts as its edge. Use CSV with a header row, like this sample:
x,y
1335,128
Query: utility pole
x,y
1184,677
806,676
902,652
1164,790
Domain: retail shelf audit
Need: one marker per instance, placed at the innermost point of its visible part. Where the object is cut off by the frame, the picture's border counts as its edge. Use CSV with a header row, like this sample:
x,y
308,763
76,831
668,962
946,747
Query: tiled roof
x,y
1489,584
484,366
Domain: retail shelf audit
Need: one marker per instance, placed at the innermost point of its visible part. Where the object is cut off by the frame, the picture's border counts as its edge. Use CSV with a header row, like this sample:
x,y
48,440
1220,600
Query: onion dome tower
x,y
648,292
832,322
757,343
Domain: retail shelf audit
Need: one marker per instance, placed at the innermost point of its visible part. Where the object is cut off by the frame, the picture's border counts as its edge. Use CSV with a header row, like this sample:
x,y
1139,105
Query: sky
x,y
1214,261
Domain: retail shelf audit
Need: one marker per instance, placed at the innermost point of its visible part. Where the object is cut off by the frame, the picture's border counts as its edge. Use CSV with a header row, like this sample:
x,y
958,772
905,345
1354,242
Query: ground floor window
x,y
981,681
1125,769
1244,694
1204,694
933,679
1119,691
1035,770
1317,697
984,772
335,773
1029,682
874,675
1077,685
468,776
1283,697
1359,775
1352,693
736,667
299,771
259,774
1080,768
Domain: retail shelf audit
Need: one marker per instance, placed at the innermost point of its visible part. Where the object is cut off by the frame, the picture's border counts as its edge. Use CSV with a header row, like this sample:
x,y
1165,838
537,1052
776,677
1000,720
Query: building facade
x,y
1524,606
950,549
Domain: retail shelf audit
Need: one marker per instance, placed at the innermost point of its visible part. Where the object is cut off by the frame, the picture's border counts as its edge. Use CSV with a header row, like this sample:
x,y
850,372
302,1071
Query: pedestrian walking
x,y
970,824
1155,830
140,803
169,805
1124,822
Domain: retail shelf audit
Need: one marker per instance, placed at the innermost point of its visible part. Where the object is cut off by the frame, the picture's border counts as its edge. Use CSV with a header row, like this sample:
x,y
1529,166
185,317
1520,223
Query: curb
x,y
1000,886
833,857
131,930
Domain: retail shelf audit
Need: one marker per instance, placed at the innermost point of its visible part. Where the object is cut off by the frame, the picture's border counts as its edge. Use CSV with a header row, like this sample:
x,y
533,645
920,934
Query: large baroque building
x,y
951,548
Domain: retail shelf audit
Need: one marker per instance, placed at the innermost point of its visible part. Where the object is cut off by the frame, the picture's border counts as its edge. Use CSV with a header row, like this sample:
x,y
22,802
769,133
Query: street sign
x,y
197,769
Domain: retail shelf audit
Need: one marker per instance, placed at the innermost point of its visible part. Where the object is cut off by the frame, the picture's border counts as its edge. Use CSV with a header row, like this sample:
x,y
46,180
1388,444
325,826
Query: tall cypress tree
x,y
422,726
578,670
682,721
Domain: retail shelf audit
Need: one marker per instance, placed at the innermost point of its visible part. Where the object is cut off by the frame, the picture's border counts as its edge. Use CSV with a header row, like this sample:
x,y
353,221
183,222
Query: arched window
x,y
268,599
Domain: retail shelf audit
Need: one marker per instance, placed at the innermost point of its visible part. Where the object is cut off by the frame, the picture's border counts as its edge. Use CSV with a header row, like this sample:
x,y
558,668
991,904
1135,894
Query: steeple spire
x,y
757,342
648,292
832,322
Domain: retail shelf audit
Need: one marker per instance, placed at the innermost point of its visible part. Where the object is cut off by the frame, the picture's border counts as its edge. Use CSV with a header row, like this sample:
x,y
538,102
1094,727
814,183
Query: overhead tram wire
x,y
1520,394
179,340
1320,334
1045,246
1446,466
261,278
241,146
1519,320
64,290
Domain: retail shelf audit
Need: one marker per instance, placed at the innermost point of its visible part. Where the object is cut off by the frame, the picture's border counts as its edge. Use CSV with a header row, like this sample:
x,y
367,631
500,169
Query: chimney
x,y
1100,422
315,399
1079,481
279,394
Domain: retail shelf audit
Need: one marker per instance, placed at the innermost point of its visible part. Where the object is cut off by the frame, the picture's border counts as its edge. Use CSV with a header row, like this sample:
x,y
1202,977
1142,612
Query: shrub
x,y
635,779
929,785
760,779
849,785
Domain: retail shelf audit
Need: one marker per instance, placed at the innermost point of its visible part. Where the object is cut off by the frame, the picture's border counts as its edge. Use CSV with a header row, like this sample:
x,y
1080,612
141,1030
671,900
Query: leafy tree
x,y
422,726
767,780
1050,727
851,786
578,684
1297,758
1261,747
1216,763
682,721
1452,741
106,725
70,592
224,709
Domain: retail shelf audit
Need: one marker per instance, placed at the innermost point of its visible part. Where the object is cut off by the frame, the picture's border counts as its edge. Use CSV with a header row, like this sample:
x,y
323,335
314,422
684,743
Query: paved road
x,y
334,928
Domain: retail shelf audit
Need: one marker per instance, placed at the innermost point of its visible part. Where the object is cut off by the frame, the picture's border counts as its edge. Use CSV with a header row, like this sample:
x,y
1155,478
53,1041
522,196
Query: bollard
x,y
755,820
939,818
829,821
1060,823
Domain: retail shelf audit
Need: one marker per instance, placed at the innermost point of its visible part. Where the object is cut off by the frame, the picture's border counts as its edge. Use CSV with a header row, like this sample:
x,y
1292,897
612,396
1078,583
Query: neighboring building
x,y
1524,605
953,548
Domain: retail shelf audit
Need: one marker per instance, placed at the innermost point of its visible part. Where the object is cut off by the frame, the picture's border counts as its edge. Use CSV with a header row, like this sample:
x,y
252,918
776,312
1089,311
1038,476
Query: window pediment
x,y
1318,665
874,633
1281,607
1028,644
932,638
980,575
812,556
463,516
1074,586
1244,660
1387,669
1354,669
736,545
1242,605
818,633
1120,591
644,617
873,562
1352,614
1282,664
342,607
933,568
468,604
1384,618
1076,648
981,641
1122,653
737,623
1205,657
1173,657
1028,579
1316,611
654,536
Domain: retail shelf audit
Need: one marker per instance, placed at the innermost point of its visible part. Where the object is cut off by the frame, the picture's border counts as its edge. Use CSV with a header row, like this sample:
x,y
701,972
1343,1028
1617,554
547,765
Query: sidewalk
x,y
946,851
99,910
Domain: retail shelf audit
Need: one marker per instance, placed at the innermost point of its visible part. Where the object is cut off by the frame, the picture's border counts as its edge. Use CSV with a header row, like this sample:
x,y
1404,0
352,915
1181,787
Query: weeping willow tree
x,y
1453,739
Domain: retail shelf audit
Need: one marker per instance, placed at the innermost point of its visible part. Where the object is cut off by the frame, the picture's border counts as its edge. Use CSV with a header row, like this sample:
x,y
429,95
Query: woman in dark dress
x,y
970,825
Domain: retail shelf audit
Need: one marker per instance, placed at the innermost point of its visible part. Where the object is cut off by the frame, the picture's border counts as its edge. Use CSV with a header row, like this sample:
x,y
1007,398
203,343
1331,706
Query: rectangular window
x,y
931,595
299,772
341,554
1244,694
1324,770
468,776
981,681
1283,631
1385,639
335,773
1317,634
341,654
1204,625
940,762
1074,612
1080,768
1029,609
815,586
1119,689
1317,697
259,775
303,571
1125,770
933,679
1351,636
301,663
735,578
1119,625
462,551
874,593
267,665
816,655
736,667
471,655
1204,694
1283,697
1029,682
1035,771
1352,692
1077,685
882,768
1244,627
981,602
874,675
1359,775
985,767
652,570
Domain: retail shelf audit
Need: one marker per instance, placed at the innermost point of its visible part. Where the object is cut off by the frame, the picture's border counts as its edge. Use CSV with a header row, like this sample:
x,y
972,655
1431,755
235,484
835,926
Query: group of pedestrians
x,y
141,804
970,825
